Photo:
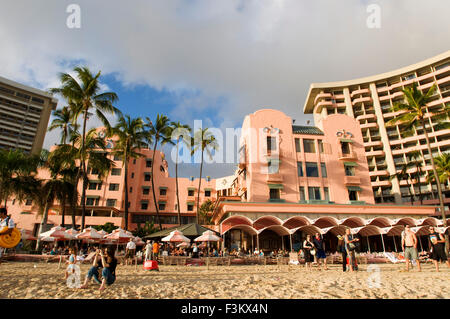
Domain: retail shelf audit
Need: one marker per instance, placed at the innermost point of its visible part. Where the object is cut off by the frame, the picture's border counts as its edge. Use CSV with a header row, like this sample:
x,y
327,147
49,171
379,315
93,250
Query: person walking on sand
x,y
409,245
308,248
437,248
108,261
343,251
350,247
319,245
148,250
155,250
130,251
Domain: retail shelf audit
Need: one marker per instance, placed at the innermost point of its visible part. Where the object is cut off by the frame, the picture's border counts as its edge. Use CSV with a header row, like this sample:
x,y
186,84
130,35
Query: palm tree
x,y
182,131
202,141
14,165
130,138
87,96
404,175
443,167
415,160
160,132
64,120
414,114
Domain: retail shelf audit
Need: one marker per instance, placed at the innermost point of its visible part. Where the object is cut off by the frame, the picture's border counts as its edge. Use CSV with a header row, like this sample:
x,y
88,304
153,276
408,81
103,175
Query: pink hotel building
x,y
291,180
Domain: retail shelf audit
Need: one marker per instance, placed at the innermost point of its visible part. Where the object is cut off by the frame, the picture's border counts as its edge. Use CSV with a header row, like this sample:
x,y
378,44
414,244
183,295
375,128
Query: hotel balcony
x,y
361,99
360,91
375,153
274,178
373,143
352,180
379,173
322,95
381,183
366,116
369,125
347,156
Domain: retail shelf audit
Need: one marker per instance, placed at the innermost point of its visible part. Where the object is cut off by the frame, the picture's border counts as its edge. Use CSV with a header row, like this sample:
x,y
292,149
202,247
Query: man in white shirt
x,y
6,225
130,251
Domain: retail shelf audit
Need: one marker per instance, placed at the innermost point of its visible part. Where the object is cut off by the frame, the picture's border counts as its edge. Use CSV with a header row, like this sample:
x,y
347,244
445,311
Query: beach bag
x,y
312,252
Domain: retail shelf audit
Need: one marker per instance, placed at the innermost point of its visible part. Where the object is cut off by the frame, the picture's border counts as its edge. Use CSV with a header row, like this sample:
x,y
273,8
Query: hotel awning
x,y
92,196
191,188
350,164
275,186
346,140
163,187
354,188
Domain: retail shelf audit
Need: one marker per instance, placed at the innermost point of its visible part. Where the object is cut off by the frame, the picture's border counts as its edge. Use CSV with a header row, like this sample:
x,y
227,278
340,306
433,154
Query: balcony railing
x,y
347,156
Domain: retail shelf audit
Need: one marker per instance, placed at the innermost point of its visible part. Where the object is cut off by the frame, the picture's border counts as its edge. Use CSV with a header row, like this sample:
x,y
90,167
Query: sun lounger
x,y
392,258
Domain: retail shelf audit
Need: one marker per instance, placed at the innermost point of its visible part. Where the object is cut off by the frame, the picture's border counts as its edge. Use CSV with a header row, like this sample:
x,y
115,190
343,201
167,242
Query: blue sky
x,y
216,60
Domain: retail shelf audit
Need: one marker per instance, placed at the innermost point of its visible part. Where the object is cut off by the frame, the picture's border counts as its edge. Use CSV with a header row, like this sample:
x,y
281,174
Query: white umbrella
x,y
208,236
175,237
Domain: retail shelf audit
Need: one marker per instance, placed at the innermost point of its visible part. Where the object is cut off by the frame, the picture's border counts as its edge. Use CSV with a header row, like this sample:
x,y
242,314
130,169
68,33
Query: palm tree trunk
x,y
418,173
63,211
438,184
176,185
83,165
126,192
198,192
43,223
153,185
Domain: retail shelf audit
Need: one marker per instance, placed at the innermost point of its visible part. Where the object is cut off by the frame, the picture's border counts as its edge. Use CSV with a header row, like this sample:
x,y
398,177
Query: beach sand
x,y
42,280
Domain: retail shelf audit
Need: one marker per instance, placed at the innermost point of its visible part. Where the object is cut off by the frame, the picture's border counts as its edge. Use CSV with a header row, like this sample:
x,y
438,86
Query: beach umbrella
x,y
72,232
176,236
208,236
138,241
89,233
183,244
119,235
57,232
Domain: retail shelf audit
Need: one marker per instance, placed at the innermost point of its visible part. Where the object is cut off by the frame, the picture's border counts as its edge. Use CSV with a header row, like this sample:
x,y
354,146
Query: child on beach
x,y
72,261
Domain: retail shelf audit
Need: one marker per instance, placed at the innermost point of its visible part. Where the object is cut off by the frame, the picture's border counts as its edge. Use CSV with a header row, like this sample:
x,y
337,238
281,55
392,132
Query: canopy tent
x,y
188,230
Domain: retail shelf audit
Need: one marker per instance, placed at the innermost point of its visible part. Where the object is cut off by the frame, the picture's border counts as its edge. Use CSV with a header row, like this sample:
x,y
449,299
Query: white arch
x,y
421,230
430,221
308,229
393,230
279,229
354,219
271,218
243,220
383,220
303,219
244,227
330,219
404,221
368,230
335,230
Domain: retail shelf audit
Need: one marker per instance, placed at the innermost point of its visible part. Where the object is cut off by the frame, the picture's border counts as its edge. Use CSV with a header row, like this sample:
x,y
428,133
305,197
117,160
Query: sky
x,y
215,60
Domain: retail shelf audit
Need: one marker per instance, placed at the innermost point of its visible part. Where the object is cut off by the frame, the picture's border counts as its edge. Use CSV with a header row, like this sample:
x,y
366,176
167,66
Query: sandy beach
x,y
41,280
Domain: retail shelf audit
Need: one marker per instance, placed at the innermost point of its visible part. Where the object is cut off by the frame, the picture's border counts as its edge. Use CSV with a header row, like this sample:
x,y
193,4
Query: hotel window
x,y
190,207
326,193
131,190
144,205
111,202
297,145
320,146
207,193
95,186
132,175
190,192
148,163
311,169
323,169
163,191
302,193
349,170
162,206
116,171
146,191
92,201
314,193
352,195
271,143
274,193
345,147
273,166
299,168
147,177
113,187
308,146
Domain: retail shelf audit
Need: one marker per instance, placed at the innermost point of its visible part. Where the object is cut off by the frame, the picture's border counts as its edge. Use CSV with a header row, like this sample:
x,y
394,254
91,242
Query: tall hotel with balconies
x,y
369,100
24,116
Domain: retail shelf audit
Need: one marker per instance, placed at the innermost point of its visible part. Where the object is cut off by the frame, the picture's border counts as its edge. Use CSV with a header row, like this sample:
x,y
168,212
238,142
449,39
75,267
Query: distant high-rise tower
x,y
24,116
369,100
